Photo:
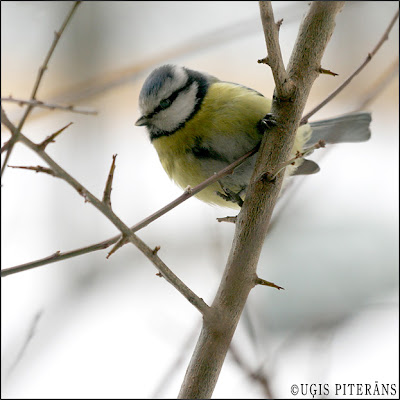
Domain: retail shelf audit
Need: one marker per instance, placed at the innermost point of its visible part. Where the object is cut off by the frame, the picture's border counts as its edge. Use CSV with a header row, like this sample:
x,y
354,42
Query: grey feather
x,y
349,128
308,167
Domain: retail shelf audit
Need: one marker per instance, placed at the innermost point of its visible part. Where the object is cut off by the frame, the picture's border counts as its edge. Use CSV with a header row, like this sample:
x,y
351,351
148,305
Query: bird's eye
x,y
165,103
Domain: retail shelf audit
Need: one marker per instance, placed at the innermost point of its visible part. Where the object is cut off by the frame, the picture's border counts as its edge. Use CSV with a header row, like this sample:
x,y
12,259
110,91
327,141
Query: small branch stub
x,y
264,60
156,249
228,219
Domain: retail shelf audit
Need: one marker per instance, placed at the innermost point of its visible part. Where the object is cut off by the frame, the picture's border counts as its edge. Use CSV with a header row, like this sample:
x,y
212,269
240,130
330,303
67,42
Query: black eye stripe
x,y
171,98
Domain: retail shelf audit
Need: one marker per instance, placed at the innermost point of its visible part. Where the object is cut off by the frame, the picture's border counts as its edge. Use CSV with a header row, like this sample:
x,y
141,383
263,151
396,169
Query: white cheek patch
x,y
179,111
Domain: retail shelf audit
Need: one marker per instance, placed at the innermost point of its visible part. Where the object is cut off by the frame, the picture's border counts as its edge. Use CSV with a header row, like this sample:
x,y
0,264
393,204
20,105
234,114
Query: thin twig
x,y
42,69
41,104
108,213
38,168
58,256
256,375
384,37
380,84
175,364
284,86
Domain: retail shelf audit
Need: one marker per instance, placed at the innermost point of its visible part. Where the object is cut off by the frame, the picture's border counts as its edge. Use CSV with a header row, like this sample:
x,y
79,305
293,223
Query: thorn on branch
x,y
155,250
159,274
263,282
50,139
38,168
107,190
117,246
279,23
326,72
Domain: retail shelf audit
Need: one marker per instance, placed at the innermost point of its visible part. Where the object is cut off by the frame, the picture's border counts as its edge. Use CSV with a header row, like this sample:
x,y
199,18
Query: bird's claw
x,y
269,121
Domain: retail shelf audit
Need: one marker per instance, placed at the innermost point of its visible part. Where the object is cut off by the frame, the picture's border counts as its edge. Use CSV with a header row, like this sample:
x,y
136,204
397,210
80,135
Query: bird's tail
x,y
349,128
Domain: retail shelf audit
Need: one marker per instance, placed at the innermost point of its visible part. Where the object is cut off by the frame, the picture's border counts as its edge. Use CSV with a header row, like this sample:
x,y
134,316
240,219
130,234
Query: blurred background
x,y
92,327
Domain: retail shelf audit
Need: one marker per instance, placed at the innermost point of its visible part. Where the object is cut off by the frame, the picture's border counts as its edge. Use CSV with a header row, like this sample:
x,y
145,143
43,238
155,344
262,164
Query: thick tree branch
x,y
252,224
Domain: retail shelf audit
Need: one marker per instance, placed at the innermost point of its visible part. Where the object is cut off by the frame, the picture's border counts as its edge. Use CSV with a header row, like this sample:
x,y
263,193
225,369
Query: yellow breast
x,y
226,121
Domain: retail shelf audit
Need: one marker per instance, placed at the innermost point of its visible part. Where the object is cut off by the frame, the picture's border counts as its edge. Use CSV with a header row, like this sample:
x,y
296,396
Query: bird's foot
x,y
267,122
230,195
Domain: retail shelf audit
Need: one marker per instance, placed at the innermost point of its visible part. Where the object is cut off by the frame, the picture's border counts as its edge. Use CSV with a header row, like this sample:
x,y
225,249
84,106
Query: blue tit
x,y
200,124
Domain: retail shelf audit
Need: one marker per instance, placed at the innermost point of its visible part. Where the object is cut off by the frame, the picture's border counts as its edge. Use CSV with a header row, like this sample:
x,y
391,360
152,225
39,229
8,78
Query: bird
x,y
199,124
